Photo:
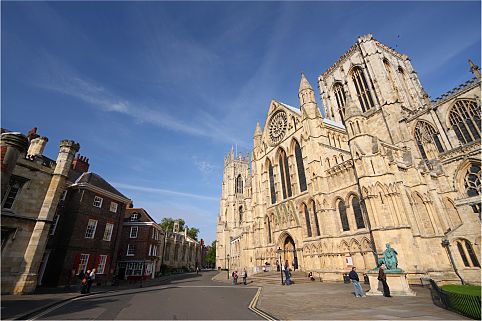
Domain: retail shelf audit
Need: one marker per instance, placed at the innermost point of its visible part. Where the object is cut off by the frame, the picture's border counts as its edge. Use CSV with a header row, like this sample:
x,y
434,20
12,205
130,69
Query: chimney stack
x,y
37,146
80,164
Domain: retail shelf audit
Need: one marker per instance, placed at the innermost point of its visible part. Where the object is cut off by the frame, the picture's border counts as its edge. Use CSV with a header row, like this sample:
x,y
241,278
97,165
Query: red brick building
x,y
85,232
142,242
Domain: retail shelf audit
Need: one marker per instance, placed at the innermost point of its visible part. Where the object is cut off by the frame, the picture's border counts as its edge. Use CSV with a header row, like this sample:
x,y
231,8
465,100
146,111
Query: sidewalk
x,y
335,301
17,306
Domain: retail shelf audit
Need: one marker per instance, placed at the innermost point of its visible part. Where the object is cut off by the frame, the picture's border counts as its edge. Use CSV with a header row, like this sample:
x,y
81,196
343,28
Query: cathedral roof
x,y
333,123
296,110
454,91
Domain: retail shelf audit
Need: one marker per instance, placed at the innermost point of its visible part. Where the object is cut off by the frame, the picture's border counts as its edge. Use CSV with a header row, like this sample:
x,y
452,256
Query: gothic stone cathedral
x,y
385,165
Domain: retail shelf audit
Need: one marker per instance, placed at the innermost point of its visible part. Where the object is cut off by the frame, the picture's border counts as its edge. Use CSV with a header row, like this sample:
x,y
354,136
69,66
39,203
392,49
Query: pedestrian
x,y
235,277
356,283
90,279
383,278
287,273
245,276
277,266
84,282
232,276
310,276
197,269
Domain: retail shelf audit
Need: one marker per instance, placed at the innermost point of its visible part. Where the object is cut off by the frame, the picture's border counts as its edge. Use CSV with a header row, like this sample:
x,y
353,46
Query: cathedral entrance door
x,y
289,250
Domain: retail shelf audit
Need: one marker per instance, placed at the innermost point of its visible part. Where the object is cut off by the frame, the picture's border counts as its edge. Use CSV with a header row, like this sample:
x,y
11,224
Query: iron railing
x,y
467,305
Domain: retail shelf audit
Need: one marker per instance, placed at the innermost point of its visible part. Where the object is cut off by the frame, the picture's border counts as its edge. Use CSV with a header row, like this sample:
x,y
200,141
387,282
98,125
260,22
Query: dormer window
x,y
134,216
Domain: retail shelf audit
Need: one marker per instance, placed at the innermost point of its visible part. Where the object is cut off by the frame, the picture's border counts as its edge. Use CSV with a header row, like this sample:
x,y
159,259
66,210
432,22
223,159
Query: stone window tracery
x,y
239,184
285,174
271,183
300,167
343,217
360,222
307,218
277,127
315,215
340,100
269,229
388,69
464,118
362,89
467,253
428,140
472,181
404,81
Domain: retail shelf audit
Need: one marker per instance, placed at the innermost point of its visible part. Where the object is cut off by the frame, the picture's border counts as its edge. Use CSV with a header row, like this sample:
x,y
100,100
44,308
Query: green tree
x,y
167,224
211,254
192,232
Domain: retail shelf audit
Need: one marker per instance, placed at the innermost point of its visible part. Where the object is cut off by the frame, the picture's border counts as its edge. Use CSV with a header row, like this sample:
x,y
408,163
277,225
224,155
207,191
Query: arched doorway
x,y
289,252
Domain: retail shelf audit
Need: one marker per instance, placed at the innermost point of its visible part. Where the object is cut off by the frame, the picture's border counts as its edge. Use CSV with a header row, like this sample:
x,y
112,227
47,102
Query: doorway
x,y
289,250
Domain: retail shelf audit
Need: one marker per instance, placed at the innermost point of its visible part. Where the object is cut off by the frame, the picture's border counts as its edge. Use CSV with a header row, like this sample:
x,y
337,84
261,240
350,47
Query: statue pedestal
x,y
397,282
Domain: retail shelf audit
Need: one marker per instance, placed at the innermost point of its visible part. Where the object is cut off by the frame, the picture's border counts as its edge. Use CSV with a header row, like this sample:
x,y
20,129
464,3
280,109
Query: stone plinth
x,y
397,282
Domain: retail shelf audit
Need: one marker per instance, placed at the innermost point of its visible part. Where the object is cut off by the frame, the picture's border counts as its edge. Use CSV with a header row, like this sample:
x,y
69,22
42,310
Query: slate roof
x,y
98,181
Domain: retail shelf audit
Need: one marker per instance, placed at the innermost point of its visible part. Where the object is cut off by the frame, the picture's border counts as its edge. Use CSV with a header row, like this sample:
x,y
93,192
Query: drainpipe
x,y
446,245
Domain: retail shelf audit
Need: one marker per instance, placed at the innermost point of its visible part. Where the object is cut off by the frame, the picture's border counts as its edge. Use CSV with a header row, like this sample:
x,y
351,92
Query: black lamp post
x,y
228,265
279,251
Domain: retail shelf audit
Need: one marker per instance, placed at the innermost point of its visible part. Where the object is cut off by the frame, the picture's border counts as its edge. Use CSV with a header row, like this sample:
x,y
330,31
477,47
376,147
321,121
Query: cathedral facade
x,y
382,164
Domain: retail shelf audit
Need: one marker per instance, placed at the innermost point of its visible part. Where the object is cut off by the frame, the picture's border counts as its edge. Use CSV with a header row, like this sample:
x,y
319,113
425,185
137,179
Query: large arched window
x,y
239,184
315,215
268,222
388,69
362,89
423,215
452,212
472,181
404,81
301,167
340,100
360,222
343,217
285,174
428,140
307,218
465,120
467,253
271,183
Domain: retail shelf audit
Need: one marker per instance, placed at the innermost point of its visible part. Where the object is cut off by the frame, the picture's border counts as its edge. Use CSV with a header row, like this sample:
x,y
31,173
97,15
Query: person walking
x,y
356,283
245,276
235,277
90,279
383,278
84,281
287,273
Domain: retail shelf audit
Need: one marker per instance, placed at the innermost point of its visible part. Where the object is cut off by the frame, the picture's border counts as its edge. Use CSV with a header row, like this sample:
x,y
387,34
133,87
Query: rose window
x,y
277,127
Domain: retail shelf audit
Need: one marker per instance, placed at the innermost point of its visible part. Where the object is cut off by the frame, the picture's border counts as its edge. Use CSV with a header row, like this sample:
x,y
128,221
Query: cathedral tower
x,y
234,207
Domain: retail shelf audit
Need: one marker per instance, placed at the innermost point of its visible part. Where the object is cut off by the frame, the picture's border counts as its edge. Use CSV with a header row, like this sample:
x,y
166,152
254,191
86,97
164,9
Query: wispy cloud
x,y
163,191
62,79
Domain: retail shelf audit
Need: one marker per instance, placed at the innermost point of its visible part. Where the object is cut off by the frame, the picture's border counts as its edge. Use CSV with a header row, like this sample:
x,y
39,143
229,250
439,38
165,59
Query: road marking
x,y
252,307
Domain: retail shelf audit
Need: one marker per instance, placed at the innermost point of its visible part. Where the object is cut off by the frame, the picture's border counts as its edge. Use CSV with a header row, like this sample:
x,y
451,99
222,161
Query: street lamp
x,y
279,251
228,265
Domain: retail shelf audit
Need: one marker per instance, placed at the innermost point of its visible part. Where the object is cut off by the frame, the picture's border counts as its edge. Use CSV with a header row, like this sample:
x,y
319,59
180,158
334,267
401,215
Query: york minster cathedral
x,y
382,164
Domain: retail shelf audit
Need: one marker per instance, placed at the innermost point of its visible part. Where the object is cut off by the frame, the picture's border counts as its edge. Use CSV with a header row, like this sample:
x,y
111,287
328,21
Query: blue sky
x,y
157,92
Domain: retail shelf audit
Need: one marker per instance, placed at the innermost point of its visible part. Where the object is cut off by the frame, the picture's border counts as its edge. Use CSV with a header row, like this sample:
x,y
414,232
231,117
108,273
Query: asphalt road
x,y
189,297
